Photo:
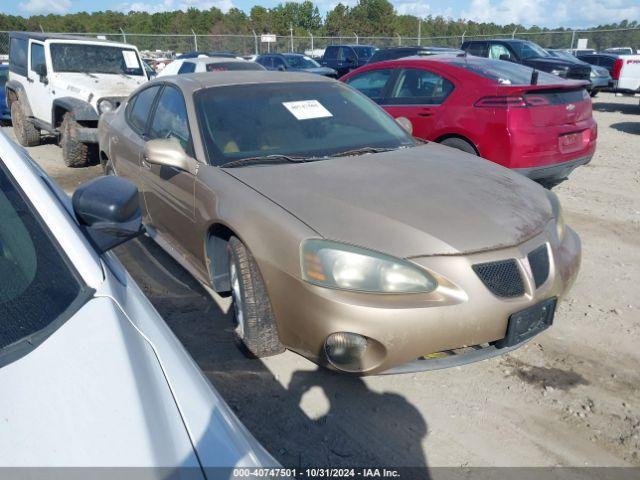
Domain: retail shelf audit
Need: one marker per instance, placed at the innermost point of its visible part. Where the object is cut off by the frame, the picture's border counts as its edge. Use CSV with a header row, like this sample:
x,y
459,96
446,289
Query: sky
x,y
544,13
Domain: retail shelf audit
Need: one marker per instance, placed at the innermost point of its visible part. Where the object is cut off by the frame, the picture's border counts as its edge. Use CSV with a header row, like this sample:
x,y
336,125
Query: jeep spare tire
x,y
26,133
74,153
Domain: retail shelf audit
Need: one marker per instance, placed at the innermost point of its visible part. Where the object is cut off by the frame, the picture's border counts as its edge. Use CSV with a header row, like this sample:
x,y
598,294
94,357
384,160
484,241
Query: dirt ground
x,y
571,397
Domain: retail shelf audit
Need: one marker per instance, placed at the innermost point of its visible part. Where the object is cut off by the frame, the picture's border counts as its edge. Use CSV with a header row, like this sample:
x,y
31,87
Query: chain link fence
x,y
165,44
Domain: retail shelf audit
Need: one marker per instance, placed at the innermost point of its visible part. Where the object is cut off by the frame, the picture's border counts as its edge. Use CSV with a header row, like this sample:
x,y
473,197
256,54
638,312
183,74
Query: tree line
x,y
366,18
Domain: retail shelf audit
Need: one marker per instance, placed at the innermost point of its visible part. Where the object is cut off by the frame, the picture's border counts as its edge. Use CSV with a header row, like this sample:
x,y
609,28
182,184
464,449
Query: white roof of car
x,y
204,59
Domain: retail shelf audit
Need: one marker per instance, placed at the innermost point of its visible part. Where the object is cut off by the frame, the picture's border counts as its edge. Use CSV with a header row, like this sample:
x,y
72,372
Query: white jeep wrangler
x,y
61,84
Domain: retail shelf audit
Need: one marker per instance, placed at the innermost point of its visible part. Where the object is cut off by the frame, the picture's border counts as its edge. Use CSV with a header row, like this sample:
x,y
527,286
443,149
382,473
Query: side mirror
x,y
168,152
406,124
351,61
108,209
41,70
281,68
505,57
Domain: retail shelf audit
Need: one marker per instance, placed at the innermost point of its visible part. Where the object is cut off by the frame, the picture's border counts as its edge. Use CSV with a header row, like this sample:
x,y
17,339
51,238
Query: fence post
x,y
255,41
463,34
311,35
124,36
291,36
419,31
513,35
573,37
195,39
399,39
357,38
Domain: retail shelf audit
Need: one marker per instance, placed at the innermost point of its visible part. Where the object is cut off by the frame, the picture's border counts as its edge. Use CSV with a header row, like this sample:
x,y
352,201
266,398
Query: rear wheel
x,y
460,144
255,324
26,133
74,153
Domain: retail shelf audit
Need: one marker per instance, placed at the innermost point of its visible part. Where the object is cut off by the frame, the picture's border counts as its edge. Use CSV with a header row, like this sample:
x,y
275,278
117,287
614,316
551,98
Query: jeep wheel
x,y
26,133
74,153
255,325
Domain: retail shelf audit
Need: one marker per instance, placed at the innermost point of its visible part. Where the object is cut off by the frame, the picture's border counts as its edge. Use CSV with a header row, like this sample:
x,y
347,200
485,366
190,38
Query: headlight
x,y
105,106
336,265
559,72
557,214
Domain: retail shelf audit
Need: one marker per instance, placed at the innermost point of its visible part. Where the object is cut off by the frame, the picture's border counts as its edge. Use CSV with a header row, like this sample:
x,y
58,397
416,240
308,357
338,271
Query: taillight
x,y
501,102
617,67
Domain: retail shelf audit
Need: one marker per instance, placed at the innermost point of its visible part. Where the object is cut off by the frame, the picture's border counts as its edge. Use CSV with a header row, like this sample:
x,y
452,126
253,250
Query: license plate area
x,y
528,322
571,142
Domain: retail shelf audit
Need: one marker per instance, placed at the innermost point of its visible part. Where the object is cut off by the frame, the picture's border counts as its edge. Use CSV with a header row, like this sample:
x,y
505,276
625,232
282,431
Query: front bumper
x,y
557,171
401,329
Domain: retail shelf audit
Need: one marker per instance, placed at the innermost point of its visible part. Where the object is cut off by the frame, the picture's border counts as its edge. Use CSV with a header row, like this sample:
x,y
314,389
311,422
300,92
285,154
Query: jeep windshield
x,y
92,58
292,120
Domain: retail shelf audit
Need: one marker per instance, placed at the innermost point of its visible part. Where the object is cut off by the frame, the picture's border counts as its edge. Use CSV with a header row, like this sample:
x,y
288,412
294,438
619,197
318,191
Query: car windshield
x,y
304,119
78,57
504,73
300,61
37,286
365,52
563,55
530,50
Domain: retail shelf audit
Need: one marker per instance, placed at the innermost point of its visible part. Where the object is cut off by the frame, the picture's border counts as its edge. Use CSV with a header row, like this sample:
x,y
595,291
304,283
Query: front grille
x,y
539,263
502,278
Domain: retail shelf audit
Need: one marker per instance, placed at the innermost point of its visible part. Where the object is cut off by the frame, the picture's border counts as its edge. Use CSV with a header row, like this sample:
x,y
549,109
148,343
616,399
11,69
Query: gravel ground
x,y
568,398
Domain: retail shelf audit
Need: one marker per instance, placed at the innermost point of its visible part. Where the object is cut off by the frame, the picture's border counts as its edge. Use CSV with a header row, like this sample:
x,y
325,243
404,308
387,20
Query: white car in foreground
x,y
90,374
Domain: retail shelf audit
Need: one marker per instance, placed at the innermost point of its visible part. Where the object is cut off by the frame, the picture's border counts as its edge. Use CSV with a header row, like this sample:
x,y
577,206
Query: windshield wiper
x,y
88,74
241,162
362,150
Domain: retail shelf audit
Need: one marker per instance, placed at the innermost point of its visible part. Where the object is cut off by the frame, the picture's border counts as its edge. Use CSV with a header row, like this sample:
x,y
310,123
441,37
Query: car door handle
x,y
427,112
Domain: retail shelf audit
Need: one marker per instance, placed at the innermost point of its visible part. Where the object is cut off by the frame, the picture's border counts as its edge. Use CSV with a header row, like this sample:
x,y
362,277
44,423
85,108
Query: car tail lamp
x,y
513,102
617,68
501,102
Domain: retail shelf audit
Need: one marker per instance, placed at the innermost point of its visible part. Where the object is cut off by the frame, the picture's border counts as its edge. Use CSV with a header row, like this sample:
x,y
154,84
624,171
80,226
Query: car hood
x,y
92,394
94,87
549,62
427,200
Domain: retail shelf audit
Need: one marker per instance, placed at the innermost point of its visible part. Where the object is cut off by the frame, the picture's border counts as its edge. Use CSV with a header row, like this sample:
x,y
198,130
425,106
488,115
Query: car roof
x,y
211,60
196,81
40,36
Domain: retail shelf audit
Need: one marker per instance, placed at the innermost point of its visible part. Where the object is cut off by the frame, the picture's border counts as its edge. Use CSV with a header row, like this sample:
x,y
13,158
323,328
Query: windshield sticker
x,y
130,59
307,109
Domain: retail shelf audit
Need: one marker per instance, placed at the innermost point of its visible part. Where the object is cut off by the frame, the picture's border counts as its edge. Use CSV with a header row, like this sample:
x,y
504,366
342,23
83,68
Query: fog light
x,y
345,350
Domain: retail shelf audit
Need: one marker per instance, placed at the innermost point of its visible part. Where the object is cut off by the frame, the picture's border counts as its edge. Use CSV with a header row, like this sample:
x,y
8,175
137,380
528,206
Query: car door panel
x,y
38,90
169,192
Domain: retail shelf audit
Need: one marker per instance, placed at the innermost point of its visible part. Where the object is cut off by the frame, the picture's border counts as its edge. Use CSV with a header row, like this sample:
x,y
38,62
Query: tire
x,y
460,144
593,93
74,153
26,133
255,324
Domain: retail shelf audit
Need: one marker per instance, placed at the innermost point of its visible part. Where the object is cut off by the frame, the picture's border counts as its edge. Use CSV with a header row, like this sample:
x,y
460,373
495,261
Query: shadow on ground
x,y
317,418
628,127
626,108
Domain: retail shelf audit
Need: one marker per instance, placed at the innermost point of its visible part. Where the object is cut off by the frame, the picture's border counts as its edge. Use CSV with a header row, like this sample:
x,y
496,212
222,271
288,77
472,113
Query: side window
x,y
331,53
278,62
350,53
606,62
499,52
420,87
170,118
187,67
371,83
139,108
18,56
342,54
477,49
37,56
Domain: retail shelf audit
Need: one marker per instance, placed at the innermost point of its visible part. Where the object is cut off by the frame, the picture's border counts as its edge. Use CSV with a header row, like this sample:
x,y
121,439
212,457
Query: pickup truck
x,y
624,70
526,53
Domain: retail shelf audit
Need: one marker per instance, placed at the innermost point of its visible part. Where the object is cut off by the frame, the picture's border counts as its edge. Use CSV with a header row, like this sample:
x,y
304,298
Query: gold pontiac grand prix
x,y
337,234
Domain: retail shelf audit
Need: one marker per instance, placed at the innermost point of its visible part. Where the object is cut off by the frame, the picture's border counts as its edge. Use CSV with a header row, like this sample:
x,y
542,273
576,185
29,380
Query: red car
x,y
530,121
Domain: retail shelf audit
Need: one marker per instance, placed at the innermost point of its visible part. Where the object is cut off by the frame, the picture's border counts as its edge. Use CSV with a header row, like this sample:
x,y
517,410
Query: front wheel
x,y
255,323
26,133
460,144
74,153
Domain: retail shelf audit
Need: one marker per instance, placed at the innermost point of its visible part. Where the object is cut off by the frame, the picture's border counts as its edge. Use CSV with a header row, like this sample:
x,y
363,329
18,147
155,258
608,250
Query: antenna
x,y
534,77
